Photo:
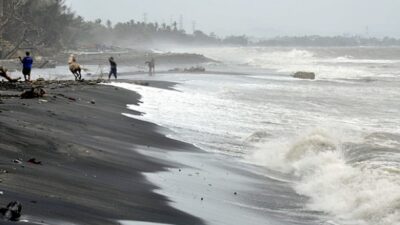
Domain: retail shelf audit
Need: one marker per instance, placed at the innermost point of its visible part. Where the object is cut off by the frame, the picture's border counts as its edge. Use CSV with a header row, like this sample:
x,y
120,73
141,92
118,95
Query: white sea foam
x,y
300,129
215,121
354,193
325,64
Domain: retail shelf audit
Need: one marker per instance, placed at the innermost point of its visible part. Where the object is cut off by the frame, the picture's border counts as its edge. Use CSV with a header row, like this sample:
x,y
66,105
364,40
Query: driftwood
x,y
3,73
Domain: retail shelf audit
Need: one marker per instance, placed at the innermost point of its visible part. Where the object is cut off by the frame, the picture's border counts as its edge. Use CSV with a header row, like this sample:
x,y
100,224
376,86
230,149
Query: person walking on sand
x,y
27,62
113,68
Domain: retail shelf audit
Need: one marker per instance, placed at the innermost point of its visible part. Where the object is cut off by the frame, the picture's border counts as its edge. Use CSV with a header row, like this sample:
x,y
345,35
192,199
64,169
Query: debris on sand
x,y
34,161
142,83
17,161
33,93
12,212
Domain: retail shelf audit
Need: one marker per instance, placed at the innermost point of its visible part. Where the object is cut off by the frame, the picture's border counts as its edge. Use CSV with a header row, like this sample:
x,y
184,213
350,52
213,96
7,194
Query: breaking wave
x,y
355,183
327,63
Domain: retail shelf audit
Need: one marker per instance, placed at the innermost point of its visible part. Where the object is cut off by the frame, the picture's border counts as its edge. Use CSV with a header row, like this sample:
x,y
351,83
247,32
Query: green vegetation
x,y
49,26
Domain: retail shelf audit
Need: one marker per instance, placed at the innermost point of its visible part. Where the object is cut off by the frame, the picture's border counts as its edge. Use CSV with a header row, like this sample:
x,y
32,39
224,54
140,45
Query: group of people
x,y
74,67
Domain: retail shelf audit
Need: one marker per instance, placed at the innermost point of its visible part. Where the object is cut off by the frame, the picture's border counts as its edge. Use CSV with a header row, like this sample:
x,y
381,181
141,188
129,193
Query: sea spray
x,y
348,170
364,193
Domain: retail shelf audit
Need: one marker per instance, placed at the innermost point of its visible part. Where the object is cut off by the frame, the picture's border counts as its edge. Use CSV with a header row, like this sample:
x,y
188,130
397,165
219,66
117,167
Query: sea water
x,y
334,140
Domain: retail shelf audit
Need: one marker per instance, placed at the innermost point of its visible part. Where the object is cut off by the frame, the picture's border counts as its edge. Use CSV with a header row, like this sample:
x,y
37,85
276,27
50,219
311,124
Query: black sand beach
x,y
89,171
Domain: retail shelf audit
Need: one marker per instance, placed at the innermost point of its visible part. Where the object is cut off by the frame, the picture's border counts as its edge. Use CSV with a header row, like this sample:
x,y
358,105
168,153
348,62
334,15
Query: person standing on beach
x,y
113,68
27,62
152,65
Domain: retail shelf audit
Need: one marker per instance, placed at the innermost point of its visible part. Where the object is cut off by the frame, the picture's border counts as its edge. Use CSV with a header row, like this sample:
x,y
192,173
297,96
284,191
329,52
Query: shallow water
x,y
334,140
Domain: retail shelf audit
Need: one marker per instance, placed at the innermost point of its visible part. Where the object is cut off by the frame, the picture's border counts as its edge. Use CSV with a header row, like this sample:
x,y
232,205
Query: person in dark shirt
x,y
151,64
113,68
27,62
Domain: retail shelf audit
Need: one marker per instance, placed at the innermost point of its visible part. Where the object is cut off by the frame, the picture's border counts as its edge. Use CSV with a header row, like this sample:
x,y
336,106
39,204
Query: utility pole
x,y
194,26
181,22
145,17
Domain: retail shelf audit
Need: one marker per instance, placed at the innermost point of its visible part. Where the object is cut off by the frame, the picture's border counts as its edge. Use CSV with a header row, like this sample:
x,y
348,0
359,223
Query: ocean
x,y
333,141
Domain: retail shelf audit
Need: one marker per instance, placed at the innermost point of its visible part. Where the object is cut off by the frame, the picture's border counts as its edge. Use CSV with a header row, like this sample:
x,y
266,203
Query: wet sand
x,y
90,172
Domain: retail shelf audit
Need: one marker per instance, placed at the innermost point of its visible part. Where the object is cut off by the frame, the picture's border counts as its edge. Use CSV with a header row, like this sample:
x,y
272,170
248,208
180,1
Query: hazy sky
x,y
261,18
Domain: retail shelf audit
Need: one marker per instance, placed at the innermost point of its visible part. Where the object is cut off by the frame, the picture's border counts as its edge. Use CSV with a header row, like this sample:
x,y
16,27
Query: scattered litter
x,y
93,102
1,192
17,161
202,199
43,101
34,161
235,193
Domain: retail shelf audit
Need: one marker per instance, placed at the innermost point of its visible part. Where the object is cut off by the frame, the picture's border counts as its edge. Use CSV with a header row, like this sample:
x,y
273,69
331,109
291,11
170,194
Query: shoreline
x,y
89,172
219,188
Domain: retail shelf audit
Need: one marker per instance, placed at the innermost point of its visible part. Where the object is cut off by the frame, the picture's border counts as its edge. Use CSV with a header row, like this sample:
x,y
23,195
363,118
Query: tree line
x,y
335,41
49,26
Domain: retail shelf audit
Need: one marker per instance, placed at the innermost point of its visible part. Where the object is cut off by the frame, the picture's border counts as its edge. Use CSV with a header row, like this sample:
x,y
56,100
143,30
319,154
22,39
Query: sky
x,y
257,18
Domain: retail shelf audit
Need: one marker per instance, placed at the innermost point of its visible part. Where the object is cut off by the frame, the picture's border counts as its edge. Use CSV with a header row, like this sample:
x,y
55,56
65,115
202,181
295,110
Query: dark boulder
x,y
12,212
304,75
33,93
